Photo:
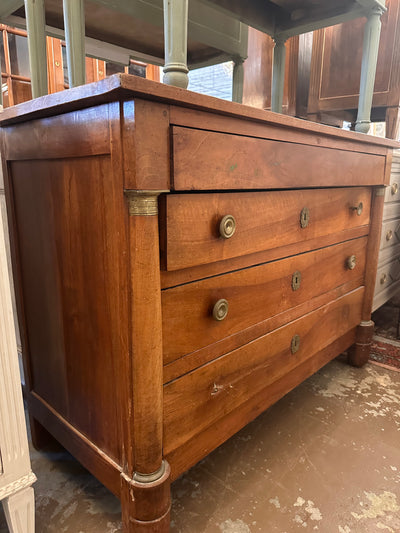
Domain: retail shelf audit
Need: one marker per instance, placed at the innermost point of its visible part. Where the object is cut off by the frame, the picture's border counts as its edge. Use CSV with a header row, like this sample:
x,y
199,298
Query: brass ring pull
x,y
304,217
295,344
383,279
351,262
358,208
394,188
227,227
220,310
389,235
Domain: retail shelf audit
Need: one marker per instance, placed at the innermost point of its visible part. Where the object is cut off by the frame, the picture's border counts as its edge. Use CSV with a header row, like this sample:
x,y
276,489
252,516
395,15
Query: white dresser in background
x,y
16,477
388,274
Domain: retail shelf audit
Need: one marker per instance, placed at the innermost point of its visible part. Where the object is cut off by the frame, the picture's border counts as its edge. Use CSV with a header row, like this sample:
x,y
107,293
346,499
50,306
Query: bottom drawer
x,y
206,395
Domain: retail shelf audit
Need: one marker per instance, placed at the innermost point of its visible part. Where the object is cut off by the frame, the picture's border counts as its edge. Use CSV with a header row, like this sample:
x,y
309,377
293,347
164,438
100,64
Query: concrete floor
x,y
325,458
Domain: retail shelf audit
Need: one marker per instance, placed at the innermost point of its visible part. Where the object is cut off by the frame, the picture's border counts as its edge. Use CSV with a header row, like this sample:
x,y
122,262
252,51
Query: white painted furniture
x,y
16,476
388,275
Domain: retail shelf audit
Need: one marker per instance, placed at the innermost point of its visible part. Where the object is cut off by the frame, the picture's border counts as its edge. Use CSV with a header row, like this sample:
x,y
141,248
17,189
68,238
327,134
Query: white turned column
x,y
35,25
237,81
372,33
74,24
278,75
175,42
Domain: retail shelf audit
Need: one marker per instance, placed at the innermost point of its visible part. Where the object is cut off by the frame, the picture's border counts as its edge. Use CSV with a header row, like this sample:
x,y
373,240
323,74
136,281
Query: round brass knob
x,y
383,279
351,262
389,235
220,310
295,344
394,188
227,227
358,208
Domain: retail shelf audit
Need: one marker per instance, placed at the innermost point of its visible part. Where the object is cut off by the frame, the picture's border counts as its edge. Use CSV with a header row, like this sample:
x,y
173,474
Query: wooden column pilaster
x,y
359,353
145,493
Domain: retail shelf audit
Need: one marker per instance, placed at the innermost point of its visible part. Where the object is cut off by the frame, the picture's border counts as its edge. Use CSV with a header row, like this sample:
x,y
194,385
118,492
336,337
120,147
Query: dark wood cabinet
x,y
335,72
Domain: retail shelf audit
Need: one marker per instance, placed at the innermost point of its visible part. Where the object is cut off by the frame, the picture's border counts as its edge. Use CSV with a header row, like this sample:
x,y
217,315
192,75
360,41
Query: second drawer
x,y
200,229
201,313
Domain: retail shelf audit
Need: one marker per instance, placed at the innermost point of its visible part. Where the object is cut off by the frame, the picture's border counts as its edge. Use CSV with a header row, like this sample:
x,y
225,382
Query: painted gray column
x,y
278,75
35,25
372,33
175,42
237,81
74,24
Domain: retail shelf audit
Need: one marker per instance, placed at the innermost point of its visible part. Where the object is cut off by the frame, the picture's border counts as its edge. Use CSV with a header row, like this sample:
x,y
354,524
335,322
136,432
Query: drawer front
x,y
390,235
198,227
204,396
387,275
207,160
253,295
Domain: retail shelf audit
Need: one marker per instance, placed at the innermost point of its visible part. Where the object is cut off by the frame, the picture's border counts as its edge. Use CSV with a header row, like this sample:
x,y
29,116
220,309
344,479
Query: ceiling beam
x,y
7,7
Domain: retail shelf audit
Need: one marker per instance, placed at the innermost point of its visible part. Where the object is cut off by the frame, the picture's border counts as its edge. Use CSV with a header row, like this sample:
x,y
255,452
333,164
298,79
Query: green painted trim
x,y
74,23
35,24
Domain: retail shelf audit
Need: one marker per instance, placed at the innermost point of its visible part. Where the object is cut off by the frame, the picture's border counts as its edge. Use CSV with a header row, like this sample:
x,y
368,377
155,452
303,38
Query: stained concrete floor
x,y
325,458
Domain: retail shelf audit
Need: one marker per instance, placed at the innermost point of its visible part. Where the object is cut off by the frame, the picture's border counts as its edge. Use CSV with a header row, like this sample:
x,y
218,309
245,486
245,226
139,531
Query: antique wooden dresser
x,y
182,263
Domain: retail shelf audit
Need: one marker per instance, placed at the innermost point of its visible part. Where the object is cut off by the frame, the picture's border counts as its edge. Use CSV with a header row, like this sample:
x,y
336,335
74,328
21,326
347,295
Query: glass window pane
x,y
137,70
65,65
2,57
4,88
21,91
19,55
114,68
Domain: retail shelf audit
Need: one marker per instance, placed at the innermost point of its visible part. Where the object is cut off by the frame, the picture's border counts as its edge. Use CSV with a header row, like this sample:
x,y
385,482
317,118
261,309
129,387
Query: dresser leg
x,y
359,353
19,510
146,502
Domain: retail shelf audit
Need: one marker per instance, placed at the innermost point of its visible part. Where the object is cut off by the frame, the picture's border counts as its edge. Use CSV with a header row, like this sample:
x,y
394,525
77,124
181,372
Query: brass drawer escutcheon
x,y
351,262
220,310
394,189
304,217
296,280
295,344
227,227
358,208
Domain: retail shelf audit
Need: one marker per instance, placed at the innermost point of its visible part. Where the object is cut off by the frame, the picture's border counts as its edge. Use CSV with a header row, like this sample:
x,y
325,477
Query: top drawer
x,y
205,228
209,160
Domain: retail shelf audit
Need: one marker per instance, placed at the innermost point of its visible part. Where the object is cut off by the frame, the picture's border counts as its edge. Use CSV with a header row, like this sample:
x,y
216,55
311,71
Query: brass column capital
x,y
143,203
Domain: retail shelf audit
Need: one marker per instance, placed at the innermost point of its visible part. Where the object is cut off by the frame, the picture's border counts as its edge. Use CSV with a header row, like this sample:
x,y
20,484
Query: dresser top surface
x,y
124,87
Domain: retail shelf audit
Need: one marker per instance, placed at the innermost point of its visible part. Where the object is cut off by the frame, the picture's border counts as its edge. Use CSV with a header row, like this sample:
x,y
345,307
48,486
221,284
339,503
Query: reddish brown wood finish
x,y
89,281
204,160
253,294
264,220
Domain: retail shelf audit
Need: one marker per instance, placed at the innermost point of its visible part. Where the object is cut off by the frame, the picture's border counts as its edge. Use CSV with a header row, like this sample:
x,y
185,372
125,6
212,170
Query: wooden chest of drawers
x,y
182,263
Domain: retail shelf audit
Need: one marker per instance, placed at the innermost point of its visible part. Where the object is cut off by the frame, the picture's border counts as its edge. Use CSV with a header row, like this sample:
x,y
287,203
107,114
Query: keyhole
x,y
304,217
296,280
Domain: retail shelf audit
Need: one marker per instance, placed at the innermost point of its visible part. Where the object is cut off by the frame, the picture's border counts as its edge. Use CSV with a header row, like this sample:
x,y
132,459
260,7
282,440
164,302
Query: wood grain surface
x,y
264,220
253,294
